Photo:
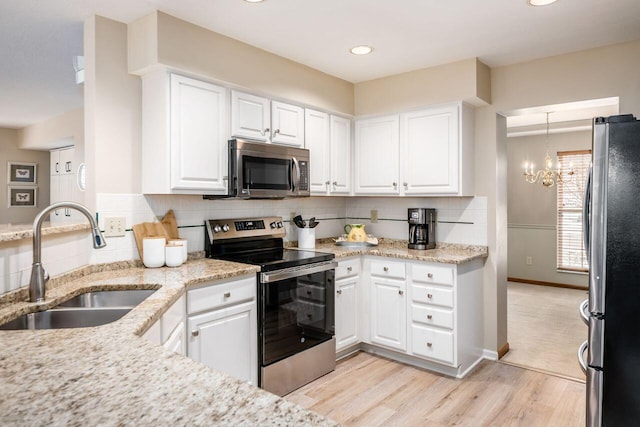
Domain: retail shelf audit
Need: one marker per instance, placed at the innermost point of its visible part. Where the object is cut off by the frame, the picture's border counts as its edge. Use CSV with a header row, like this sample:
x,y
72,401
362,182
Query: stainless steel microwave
x,y
267,171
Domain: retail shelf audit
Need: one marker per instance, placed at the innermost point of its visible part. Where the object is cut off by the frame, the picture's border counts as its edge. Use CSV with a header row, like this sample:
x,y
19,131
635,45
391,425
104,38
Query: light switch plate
x,y
114,226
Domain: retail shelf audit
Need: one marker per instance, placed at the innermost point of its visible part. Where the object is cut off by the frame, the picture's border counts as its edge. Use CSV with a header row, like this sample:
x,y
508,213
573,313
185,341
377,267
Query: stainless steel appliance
x,y
296,315
267,171
612,238
422,228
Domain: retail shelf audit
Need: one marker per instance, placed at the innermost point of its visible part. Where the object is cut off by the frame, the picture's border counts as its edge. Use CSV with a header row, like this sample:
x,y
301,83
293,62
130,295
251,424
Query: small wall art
x,y
21,173
22,197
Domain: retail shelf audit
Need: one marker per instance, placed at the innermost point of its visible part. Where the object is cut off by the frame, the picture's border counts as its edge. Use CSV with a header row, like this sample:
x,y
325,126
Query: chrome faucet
x,y
39,275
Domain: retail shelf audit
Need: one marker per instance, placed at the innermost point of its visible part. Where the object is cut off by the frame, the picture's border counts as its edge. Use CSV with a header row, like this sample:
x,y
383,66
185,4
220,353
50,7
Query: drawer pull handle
x,y
429,316
195,333
227,294
339,291
400,292
430,275
429,296
429,344
386,269
308,292
349,269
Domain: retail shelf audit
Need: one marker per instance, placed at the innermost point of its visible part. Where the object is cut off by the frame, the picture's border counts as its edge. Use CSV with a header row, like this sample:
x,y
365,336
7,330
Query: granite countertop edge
x,y
109,375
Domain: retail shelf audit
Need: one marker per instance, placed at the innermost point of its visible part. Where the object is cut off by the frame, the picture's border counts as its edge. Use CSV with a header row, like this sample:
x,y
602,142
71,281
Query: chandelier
x,y
549,176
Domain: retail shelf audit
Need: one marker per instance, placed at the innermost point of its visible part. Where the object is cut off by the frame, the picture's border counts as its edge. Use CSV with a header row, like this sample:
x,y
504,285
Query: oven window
x,y
296,314
263,173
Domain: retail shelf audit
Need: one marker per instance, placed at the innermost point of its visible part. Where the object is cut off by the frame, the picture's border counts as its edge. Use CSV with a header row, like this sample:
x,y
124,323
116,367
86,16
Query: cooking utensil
x,y
299,222
313,223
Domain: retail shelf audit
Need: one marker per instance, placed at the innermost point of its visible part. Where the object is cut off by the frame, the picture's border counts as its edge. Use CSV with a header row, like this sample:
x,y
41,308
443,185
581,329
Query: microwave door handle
x,y
296,166
586,206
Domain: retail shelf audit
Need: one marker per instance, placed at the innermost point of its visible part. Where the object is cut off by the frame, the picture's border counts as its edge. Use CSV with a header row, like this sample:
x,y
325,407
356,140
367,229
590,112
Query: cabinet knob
x,y
339,291
429,296
275,132
395,184
265,131
327,183
429,316
386,269
400,292
227,294
195,333
430,275
429,344
349,269
406,184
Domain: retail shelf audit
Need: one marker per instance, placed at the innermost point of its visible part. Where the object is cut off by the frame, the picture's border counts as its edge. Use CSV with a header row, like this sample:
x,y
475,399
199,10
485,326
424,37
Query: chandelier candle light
x,y
549,176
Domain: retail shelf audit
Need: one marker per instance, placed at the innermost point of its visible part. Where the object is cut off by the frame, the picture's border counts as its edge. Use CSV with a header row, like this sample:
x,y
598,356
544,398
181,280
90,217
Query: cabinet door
x,y
388,313
226,339
430,142
346,312
317,140
287,123
54,163
376,155
340,155
198,140
66,160
250,116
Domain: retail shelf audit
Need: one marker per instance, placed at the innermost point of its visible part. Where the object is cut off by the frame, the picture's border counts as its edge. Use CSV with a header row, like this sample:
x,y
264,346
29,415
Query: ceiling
x,y
40,37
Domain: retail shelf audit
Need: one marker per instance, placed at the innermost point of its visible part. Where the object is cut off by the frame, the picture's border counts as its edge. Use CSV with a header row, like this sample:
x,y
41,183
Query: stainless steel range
x,y
296,314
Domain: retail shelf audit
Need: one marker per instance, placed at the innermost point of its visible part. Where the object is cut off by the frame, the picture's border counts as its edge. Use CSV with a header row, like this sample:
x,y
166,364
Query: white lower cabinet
x,y
222,327
169,331
388,304
346,303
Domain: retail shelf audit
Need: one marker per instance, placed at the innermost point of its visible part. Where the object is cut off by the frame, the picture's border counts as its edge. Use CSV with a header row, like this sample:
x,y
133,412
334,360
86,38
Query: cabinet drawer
x,y
432,295
173,317
430,273
221,294
348,268
432,343
388,269
432,316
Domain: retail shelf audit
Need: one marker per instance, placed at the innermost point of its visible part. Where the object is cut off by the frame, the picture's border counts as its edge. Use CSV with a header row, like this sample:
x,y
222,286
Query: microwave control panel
x,y
304,176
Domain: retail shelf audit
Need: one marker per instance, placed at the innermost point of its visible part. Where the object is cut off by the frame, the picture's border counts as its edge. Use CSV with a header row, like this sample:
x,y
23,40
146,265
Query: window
x,y
571,251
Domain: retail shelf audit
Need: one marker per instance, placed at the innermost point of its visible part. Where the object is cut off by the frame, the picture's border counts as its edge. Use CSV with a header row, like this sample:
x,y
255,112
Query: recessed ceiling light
x,y
361,50
541,2
254,1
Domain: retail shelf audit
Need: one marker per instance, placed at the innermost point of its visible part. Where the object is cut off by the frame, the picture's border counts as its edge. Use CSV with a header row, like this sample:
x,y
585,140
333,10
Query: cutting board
x,y
170,224
148,229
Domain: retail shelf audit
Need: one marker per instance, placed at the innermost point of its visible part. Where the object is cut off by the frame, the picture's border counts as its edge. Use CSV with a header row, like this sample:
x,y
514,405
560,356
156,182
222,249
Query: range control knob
x,y
280,225
273,225
225,228
217,228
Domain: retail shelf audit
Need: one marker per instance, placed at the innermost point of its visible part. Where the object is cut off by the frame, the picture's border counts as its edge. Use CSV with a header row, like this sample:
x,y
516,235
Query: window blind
x,y
571,251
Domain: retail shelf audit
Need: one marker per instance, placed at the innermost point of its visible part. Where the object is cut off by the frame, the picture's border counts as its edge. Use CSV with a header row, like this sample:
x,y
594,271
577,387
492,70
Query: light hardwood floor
x,y
367,390
545,328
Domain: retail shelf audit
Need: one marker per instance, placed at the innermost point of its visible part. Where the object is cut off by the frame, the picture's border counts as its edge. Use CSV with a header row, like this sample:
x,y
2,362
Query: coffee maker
x,y
422,228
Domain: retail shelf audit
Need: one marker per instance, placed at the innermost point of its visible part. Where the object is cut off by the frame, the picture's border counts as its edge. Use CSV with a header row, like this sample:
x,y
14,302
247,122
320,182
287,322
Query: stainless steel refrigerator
x,y
612,238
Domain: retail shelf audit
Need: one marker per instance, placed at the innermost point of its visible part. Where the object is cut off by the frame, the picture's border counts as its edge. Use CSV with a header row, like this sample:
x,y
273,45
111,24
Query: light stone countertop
x,y
11,232
108,375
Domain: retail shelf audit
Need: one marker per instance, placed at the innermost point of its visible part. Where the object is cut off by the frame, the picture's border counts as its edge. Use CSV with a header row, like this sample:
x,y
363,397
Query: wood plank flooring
x,y
368,390
545,328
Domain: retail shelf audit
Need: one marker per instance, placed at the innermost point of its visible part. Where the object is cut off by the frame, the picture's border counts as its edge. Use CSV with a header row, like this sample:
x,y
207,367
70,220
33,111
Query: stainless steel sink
x,y
66,318
100,299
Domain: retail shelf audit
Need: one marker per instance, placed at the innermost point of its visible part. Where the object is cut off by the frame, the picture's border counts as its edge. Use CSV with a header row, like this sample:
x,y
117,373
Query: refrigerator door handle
x,y
583,311
586,213
581,350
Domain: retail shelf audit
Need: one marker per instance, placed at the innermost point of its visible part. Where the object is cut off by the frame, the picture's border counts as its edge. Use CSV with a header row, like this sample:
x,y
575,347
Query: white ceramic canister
x,y
173,255
153,251
306,238
183,242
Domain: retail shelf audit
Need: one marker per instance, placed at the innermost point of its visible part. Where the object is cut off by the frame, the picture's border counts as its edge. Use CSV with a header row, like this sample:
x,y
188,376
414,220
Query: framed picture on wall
x,y
21,173
22,197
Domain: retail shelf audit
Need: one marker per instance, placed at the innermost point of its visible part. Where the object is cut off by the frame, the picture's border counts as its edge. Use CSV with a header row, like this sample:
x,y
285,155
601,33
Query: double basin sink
x,y
85,310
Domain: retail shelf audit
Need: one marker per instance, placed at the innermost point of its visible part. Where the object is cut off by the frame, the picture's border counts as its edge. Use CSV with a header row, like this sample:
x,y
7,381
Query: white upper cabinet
x,y
287,123
184,135
435,147
250,116
256,118
377,148
328,139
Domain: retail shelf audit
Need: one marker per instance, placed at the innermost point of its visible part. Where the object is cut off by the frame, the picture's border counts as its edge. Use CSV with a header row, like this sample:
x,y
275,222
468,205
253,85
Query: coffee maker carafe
x,y
422,228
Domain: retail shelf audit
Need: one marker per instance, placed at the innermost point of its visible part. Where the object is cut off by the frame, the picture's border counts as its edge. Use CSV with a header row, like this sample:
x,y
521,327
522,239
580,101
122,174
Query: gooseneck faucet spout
x,y
39,276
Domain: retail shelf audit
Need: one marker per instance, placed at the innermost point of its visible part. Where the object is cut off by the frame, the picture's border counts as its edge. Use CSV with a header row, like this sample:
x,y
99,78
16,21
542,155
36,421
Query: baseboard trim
x,y
541,283
503,350
490,355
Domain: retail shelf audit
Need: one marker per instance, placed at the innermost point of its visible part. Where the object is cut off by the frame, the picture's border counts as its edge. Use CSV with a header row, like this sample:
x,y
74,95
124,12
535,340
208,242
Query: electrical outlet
x,y
374,215
114,226
529,260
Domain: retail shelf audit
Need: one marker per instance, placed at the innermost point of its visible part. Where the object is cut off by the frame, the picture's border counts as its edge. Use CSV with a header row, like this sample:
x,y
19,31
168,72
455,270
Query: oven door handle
x,y
274,276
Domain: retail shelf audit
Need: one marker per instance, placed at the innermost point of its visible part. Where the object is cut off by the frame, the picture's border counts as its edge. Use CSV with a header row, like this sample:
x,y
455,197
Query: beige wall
x,y
160,39
10,151
57,132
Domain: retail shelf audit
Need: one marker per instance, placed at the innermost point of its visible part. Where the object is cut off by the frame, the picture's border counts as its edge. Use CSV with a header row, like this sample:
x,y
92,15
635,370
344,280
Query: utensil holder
x,y
306,238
